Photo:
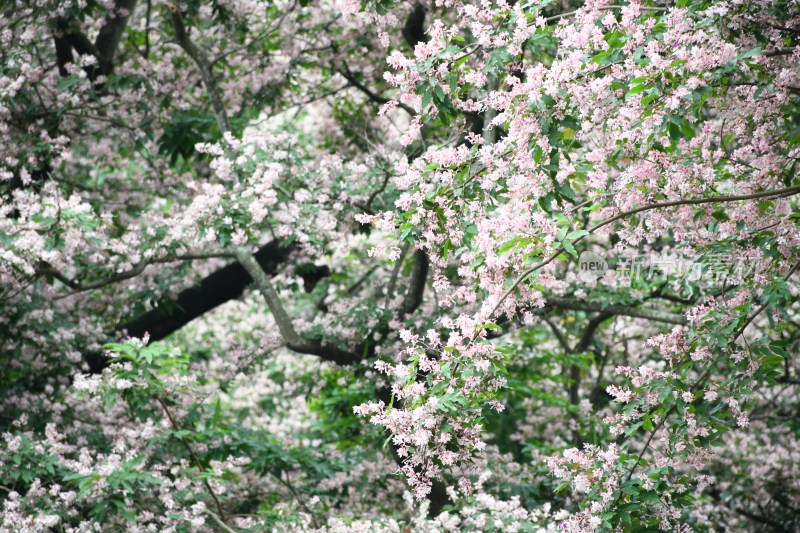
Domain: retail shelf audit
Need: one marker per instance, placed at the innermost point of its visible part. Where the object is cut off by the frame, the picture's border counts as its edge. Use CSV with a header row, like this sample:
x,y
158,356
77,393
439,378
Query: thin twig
x,y
194,457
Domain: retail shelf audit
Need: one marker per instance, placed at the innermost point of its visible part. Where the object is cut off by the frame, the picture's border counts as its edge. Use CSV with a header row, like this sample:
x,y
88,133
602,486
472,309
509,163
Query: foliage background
x,y
297,265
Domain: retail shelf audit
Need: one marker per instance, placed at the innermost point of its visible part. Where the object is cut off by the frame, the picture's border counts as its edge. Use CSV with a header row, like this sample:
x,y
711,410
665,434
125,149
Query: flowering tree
x,y
455,265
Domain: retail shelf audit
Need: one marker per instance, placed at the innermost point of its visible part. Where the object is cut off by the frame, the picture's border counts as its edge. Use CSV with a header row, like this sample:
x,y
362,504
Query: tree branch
x,y
763,306
214,290
203,64
264,285
110,34
294,341
591,328
562,340
104,47
414,28
371,95
416,285
778,193
650,314
194,457
63,55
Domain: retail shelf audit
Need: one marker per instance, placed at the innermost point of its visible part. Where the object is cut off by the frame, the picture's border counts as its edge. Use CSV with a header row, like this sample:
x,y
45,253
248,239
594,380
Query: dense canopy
x,y
379,265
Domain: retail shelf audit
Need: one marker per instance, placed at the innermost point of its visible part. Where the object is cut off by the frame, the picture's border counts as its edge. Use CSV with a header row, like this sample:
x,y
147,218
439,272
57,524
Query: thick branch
x,y
780,52
110,34
63,55
223,285
591,328
81,44
416,285
219,287
103,48
414,29
294,341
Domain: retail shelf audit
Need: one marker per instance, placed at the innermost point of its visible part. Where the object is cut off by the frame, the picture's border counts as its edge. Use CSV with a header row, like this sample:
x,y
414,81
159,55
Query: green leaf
x,y
571,236
750,53
66,83
636,89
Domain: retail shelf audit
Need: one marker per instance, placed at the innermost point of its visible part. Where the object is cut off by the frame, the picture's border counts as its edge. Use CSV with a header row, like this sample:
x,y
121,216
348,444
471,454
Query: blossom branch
x,y
603,8
764,305
779,193
128,274
697,384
